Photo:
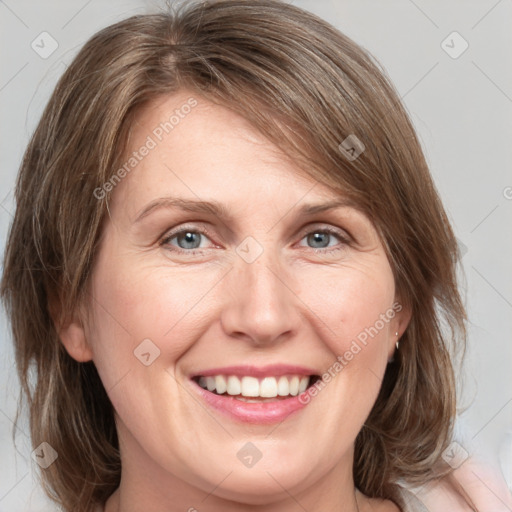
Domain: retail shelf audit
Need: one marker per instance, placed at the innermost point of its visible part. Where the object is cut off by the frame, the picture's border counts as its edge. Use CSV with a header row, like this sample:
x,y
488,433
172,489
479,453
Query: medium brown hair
x,y
307,87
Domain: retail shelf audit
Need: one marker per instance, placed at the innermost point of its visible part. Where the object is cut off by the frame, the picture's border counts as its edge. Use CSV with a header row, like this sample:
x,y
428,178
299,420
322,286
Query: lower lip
x,y
253,412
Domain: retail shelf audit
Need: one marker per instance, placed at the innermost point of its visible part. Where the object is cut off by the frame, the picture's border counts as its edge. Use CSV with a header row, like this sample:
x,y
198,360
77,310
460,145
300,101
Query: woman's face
x,y
256,300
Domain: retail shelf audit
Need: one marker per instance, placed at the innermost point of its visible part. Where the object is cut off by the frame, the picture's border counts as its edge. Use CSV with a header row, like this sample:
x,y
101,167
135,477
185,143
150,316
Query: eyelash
x,y
203,231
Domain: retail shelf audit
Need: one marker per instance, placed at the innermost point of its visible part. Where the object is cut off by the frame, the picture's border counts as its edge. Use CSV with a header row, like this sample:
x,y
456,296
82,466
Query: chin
x,y
248,488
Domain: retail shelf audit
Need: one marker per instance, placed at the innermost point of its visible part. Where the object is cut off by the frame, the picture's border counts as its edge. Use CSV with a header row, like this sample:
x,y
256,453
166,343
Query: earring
x,y
392,358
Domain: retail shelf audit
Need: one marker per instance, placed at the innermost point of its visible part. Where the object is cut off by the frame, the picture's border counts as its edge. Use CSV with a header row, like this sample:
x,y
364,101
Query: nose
x,y
262,306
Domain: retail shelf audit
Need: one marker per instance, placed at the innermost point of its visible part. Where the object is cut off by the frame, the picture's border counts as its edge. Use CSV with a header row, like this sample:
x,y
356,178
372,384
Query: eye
x,y
187,239
320,239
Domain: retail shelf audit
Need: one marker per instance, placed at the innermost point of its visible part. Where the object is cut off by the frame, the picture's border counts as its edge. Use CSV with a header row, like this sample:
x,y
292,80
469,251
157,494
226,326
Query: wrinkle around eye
x,y
361,233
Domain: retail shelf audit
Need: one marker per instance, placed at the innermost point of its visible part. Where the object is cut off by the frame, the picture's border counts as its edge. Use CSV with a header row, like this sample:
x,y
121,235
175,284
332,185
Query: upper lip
x,y
275,370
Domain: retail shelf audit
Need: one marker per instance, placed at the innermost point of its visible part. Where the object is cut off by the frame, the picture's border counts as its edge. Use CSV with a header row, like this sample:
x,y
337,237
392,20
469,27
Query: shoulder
x,y
410,503
407,502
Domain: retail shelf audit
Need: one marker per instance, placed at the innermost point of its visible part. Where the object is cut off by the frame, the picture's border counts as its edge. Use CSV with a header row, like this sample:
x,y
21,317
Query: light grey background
x,y
461,107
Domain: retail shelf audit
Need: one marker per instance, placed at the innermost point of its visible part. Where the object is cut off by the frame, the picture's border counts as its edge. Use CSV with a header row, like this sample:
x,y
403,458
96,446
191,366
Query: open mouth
x,y
256,389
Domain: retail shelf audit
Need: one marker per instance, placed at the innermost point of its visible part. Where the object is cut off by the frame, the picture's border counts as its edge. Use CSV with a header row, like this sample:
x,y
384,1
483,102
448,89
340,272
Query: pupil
x,y
318,237
187,236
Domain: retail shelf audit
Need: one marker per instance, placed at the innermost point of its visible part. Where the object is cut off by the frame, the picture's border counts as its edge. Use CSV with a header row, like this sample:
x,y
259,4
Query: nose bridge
x,y
261,305
264,277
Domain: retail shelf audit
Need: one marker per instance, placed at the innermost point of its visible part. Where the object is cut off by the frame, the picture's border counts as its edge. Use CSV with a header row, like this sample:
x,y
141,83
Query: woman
x,y
256,370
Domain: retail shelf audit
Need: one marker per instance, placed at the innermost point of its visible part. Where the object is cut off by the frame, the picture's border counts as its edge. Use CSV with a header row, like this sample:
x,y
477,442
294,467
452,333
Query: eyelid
x,y
200,228
330,228
343,236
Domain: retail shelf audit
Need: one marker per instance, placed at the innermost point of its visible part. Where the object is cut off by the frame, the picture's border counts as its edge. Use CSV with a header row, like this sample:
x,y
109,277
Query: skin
x,y
291,305
474,485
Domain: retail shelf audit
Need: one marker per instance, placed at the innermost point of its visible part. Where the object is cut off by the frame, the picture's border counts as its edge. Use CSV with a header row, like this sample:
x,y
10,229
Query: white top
x,y
412,504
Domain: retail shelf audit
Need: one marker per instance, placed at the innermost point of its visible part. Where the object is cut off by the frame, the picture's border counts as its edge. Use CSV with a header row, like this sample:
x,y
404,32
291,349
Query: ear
x,y
72,335
74,340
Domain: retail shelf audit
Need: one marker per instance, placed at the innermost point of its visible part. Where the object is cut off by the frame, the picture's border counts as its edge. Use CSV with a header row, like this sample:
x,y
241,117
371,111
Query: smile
x,y
252,387
252,395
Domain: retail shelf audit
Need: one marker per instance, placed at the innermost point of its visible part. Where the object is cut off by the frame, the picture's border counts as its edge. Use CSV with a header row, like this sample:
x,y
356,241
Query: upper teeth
x,y
267,387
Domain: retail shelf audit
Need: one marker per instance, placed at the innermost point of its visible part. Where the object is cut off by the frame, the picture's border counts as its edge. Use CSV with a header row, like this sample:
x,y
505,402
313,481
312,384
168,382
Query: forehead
x,y
184,145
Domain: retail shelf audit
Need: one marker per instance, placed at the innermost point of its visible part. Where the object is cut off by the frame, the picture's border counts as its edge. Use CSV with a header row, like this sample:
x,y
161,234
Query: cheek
x,y
135,303
357,307
356,303
142,314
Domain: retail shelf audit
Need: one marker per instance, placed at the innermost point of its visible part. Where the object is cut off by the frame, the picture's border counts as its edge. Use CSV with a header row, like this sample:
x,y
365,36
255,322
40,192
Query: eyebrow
x,y
220,211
